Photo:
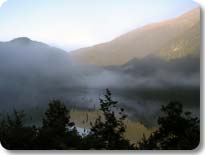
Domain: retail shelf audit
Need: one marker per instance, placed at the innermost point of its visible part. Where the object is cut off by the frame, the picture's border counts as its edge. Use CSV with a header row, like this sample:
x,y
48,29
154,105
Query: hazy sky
x,y
72,24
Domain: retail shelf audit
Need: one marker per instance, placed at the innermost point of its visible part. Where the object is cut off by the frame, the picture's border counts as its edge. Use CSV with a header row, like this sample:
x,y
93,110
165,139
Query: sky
x,y
73,24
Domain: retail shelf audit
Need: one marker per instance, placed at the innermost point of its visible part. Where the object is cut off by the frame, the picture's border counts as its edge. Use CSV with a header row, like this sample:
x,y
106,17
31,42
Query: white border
x,y
200,150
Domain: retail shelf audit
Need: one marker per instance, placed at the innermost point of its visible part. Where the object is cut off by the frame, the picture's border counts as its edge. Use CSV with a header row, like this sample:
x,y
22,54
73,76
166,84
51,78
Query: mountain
x,y
31,71
135,68
24,51
170,39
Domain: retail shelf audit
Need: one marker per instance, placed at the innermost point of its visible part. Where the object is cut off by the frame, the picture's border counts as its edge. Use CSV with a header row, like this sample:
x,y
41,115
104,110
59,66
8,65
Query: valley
x,y
144,69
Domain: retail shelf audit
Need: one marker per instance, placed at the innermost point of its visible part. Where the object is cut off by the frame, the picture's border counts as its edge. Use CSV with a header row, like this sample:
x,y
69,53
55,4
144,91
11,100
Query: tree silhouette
x,y
107,132
178,130
54,134
14,135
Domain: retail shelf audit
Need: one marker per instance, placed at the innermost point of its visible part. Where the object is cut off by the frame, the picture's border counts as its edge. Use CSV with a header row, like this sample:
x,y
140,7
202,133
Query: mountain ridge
x,y
142,42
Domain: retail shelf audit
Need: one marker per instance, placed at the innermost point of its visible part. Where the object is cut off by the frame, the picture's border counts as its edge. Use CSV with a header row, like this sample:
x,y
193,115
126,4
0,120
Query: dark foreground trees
x,y
14,135
177,130
53,134
108,130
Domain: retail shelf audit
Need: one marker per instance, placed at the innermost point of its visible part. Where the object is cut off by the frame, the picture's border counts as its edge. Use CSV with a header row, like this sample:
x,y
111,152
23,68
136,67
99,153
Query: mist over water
x,y
32,73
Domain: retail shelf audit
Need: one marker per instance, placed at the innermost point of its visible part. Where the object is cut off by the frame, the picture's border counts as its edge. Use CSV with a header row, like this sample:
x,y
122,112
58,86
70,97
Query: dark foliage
x,y
178,130
108,133
53,134
14,135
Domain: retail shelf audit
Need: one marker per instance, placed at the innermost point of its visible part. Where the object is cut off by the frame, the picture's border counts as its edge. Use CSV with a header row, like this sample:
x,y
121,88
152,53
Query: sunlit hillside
x,y
174,38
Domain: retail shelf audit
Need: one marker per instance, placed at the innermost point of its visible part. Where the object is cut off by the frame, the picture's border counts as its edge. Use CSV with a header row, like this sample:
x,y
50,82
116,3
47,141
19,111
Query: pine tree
x,y
108,130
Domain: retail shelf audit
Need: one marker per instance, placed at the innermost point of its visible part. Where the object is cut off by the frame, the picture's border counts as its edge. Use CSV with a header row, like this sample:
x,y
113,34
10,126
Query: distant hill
x,y
136,68
24,52
170,39
31,72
